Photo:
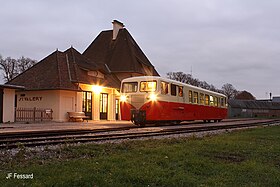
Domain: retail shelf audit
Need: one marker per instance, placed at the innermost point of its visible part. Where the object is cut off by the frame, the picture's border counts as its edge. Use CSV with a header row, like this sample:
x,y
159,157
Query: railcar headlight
x,y
153,97
123,98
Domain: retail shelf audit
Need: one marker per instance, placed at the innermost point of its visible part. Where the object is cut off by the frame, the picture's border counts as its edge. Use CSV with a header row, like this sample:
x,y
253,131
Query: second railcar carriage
x,y
151,99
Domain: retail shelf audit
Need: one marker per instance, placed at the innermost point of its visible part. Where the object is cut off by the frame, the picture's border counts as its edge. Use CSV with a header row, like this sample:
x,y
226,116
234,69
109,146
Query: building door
x,y
117,109
1,105
103,106
87,104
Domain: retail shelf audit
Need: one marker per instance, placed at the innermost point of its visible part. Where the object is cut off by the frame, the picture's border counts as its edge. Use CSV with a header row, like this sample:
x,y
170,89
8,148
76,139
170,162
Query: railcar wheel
x,y
142,124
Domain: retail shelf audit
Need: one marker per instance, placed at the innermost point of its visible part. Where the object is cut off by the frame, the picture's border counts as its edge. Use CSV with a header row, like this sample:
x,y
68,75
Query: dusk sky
x,y
219,41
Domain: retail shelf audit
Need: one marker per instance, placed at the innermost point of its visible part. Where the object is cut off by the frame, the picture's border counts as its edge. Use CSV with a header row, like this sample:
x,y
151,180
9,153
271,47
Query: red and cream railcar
x,y
151,99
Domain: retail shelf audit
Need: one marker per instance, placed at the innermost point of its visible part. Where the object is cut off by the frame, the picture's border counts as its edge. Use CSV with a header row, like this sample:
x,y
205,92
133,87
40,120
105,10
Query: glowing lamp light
x,y
96,89
153,97
123,98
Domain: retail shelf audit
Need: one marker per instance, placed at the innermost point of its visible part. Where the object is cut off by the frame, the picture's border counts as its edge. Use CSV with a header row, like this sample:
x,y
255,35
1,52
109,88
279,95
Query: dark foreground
x,y
244,158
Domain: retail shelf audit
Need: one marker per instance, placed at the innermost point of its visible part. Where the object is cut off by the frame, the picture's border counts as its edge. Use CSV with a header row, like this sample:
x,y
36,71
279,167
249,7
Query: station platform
x,y
9,128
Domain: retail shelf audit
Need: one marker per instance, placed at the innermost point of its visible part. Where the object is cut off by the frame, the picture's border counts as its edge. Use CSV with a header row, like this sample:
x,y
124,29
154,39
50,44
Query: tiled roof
x,y
64,70
120,55
46,74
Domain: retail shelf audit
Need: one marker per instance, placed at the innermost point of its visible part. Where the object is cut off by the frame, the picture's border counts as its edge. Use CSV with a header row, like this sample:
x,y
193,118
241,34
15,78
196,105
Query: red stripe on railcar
x,y
165,111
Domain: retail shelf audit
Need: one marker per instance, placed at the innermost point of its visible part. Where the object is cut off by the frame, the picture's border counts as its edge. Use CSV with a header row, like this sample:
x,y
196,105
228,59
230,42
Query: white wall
x,y
60,101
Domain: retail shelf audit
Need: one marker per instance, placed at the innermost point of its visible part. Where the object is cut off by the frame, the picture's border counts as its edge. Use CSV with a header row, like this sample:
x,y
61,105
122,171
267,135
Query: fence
x,y
33,114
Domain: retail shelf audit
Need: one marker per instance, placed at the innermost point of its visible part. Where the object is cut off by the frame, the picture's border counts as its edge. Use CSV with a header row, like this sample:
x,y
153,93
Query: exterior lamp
x,y
123,98
152,97
96,89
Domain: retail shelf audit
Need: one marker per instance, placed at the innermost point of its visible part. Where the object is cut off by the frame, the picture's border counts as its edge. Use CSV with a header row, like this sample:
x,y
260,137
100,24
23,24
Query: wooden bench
x,y
73,116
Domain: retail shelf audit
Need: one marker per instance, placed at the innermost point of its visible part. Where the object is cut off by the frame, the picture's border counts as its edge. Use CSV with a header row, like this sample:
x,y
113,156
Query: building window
x,y
164,88
201,97
117,109
190,96
87,104
173,89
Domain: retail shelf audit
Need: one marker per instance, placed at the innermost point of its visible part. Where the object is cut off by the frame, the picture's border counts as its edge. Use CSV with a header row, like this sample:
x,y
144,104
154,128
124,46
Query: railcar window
x,y
148,86
173,89
211,100
222,102
215,101
226,104
201,98
164,88
195,97
129,87
206,99
190,96
180,91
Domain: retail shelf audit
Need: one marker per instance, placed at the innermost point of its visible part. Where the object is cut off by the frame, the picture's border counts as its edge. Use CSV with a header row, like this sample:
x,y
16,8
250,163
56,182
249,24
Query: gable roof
x,y
62,70
119,55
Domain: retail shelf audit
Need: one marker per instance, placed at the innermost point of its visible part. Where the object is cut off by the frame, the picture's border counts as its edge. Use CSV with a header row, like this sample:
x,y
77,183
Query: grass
x,y
246,158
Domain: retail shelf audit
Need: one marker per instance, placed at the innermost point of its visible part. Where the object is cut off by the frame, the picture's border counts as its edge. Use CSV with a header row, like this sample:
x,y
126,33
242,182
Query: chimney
x,y
116,27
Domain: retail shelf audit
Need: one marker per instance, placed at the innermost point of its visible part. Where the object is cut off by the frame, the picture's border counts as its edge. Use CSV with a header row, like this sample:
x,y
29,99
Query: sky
x,y
217,41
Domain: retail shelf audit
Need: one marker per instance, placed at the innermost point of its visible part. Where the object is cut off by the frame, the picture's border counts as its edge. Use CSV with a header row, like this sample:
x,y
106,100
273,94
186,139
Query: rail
x,y
33,114
71,138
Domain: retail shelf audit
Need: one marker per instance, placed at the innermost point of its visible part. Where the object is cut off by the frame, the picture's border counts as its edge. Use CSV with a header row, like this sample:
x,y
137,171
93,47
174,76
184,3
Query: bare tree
x,y
8,66
229,90
24,64
187,78
178,76
12,67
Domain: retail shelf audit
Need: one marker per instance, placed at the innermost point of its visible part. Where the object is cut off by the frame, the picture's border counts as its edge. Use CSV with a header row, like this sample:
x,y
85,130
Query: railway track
x,y
134,133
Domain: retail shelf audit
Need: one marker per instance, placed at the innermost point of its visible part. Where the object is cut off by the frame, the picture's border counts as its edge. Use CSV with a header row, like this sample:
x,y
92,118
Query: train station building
x,y
70,81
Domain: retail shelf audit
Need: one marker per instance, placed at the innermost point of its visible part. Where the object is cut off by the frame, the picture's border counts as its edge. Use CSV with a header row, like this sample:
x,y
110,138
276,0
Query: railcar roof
x,y
140,78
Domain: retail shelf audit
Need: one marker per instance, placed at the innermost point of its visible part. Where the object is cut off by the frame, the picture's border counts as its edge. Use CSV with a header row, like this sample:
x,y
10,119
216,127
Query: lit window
x,y
180,91
215,101
148,86
201,98
129,87
164,88
195,97
190,96
206,99
211,100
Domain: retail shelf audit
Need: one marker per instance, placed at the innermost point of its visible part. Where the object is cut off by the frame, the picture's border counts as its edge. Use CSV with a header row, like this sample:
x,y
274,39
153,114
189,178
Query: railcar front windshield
x,y
129,87
148,86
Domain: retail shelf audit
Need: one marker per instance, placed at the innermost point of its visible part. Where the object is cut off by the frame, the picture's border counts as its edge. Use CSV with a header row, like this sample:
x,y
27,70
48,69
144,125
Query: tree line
x,y
12,67
227,89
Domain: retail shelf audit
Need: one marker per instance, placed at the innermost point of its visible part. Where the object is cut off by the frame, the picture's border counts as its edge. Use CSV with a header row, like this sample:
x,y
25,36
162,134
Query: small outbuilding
x,y
253,108
7,102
